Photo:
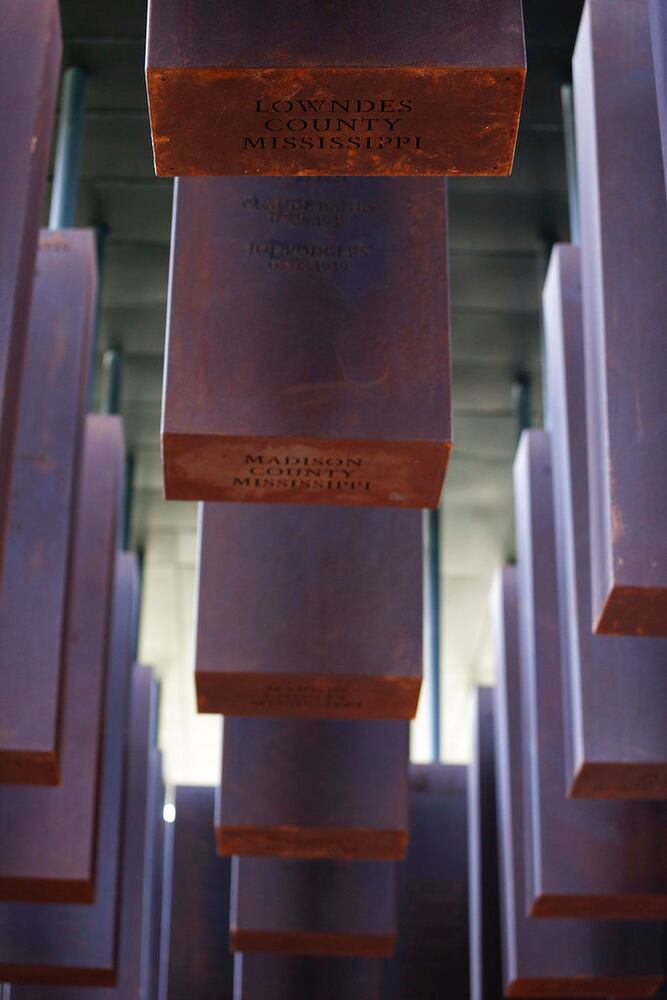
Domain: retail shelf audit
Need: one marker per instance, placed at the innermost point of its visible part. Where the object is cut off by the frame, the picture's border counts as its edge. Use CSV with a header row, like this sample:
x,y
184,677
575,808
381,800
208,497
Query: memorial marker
x,y
30,52
199,905
431,957
133,977
47,834
624,262
308,354
74,944
334,908
546,957
288,977
342,634
615,686
36,571
658,14
349,801
369,88
589,858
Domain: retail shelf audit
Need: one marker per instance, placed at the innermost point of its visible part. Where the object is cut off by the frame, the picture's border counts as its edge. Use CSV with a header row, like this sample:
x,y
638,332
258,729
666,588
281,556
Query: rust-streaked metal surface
x,y
350,799
658,15
47,834
624,262
339,636
339,88
589,858
550,957
73,943
289,977
486,971
199,909
615,687
329,908
308,356
431,958
30,52
42,507
143,786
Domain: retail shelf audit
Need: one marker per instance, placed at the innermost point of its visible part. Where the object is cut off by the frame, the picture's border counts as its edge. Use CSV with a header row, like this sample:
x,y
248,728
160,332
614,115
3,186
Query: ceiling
x,y
500,230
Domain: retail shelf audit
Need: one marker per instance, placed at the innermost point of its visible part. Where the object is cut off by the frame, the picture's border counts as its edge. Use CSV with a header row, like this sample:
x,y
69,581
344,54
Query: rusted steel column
x,y
358,89
308,356
349,801
624,262
615,737
341,636
30,52
555,957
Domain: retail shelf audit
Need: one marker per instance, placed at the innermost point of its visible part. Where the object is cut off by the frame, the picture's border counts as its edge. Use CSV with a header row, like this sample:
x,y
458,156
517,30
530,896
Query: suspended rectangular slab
x,y
290,977
658,14
350,799
199,903
30,51
42,507
486,971
431,958
73,943
308,348
362,88
338,637
546,957
335,908
624,262
589,858
615,687
133,974
47,834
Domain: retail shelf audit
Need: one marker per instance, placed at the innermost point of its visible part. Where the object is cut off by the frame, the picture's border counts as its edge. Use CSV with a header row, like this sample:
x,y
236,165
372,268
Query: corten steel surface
x,y
658,15
42,507
486,973
338,88
431,958
48,834
30,51
332,908
550,957
342,633
290,977
71,943
143,785
308,355
624,262
589,858
615,687
199,910
350,799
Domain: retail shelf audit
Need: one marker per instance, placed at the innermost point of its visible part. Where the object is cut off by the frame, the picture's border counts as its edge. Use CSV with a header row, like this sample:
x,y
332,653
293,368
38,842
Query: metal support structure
x,y
432,606
567,104
68,149
101,234
522,397
112,375
110,402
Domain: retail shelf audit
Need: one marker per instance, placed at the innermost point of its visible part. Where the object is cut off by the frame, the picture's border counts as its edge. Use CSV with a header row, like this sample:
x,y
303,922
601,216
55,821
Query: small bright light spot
x,y
169,813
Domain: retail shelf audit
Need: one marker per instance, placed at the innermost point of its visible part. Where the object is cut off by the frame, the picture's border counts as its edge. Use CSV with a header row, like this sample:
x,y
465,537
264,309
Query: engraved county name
x,y
293,472
328,124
